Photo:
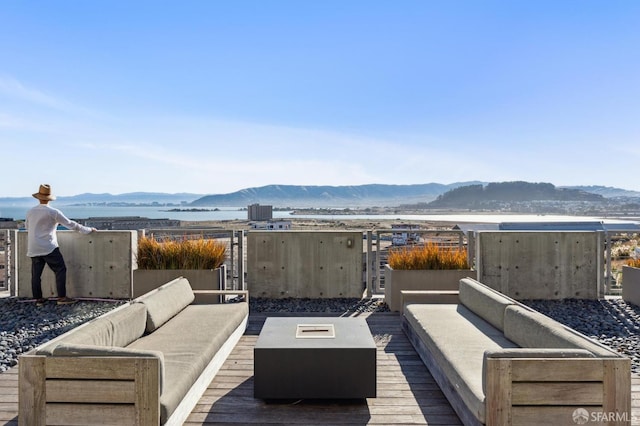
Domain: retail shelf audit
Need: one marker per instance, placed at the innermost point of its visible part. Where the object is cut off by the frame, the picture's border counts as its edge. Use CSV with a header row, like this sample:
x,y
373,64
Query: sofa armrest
x,y
428,296
75,350
218,296
525,390
538,353
70,390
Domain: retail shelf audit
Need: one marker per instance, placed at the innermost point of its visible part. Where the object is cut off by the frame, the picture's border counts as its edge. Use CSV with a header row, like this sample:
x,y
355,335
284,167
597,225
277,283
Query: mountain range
x,y
105,198
394,195
348,196
482,196
330,196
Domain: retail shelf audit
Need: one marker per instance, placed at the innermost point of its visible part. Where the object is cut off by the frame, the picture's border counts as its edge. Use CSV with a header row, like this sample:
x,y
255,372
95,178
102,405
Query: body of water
x,y
237,213
155,212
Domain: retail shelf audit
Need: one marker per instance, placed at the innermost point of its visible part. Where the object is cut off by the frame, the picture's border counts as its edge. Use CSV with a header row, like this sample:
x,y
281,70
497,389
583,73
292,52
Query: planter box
x,y
631,285
145,280
396,280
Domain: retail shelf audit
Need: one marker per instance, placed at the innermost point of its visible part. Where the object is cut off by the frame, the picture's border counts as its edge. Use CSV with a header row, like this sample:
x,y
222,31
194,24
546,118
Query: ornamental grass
x,y
634,263
428,256
181,254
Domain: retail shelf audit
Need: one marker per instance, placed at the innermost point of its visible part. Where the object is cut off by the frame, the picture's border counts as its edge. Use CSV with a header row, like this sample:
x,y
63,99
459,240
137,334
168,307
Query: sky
x,y
210,97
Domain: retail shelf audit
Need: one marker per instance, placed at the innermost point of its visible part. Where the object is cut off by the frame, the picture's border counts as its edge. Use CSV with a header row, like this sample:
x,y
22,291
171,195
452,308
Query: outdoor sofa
x,y
145,363
500,363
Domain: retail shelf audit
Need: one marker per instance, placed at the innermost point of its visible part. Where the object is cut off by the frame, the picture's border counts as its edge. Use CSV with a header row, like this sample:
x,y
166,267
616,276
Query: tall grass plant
x,y
634,263
428,256
180,254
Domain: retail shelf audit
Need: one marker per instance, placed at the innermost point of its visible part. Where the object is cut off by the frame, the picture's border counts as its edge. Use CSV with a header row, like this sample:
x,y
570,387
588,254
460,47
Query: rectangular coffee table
x,y
315,358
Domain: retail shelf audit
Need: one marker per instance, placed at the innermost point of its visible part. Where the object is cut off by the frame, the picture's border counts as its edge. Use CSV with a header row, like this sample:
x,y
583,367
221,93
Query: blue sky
x,y
215,96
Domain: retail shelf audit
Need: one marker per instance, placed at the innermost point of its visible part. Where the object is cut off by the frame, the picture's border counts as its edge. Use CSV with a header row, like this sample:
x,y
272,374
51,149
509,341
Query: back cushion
x,y
165,302
118,328
128,324
484,302
531,329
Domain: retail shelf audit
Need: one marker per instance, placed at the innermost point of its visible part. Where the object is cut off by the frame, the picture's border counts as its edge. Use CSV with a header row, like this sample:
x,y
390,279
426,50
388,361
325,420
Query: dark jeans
x,y
56,263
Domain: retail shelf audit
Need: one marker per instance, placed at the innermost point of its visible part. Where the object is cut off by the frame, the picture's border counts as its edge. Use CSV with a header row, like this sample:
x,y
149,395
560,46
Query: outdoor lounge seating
x,y
500,362
147,362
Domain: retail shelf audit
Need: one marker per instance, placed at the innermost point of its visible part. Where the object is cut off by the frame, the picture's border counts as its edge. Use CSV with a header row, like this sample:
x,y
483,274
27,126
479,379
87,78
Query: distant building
x,y
274,225
402,234
8,223
128,223
258,212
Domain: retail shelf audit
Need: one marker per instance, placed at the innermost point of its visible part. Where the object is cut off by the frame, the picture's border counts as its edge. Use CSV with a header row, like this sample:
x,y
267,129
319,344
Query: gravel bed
x,y
339,305
23,325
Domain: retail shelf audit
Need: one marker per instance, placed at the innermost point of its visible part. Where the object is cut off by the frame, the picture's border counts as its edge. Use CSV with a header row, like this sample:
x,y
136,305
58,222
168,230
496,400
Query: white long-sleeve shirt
x,y
41,223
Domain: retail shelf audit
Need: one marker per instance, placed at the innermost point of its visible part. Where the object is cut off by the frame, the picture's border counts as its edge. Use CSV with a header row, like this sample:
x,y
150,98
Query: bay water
x,y
239,213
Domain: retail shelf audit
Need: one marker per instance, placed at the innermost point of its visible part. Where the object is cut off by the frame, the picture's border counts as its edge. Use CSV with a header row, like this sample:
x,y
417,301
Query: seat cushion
x,y
532,329
188,342
165,302
484,301
457,339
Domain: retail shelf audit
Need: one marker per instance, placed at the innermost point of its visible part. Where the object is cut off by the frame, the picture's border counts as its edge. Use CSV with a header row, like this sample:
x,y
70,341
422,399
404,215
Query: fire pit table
x,y
315,358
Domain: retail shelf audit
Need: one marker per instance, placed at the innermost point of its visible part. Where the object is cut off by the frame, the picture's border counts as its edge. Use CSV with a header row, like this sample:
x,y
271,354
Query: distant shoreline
x,y
372,214
192,210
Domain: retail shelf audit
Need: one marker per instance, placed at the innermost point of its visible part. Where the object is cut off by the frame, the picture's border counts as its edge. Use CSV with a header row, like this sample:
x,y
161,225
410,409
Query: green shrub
x,y
428,256
183,254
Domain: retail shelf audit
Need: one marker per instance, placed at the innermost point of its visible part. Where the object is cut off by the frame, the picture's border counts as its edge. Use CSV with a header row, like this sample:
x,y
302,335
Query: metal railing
x,y
5,259
375,255
376,259
377,245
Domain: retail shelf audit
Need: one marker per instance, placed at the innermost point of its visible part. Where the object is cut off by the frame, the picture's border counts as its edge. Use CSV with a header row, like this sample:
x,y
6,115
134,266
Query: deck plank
x,y
406,392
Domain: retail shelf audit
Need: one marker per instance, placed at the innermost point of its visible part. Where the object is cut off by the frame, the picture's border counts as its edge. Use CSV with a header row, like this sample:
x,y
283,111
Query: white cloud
x,y
140,152
34,109
13,88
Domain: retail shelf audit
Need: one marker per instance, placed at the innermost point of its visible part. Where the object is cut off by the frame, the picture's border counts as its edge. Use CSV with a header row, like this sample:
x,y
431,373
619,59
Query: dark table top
x,y
281,333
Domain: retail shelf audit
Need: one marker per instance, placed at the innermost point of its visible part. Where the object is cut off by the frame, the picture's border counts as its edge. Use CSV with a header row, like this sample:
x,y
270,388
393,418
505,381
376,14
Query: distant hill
x,y
329,196
481,196
132,197
607,191
128,198
381,195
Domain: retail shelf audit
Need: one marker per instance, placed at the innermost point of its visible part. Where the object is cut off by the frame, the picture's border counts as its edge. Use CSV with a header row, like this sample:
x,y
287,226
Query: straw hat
x,y
44,193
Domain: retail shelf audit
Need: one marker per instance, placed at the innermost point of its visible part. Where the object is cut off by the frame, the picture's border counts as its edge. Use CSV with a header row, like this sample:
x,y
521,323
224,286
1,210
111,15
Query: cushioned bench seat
x,y
186,358
500,362
457,339
146,362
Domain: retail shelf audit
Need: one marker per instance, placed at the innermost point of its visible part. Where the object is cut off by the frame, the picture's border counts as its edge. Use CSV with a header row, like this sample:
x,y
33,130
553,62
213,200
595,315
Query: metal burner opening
x,y
315,331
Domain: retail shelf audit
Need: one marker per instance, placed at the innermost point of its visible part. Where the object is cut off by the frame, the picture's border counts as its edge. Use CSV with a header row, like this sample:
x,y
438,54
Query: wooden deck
x,y
407,393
